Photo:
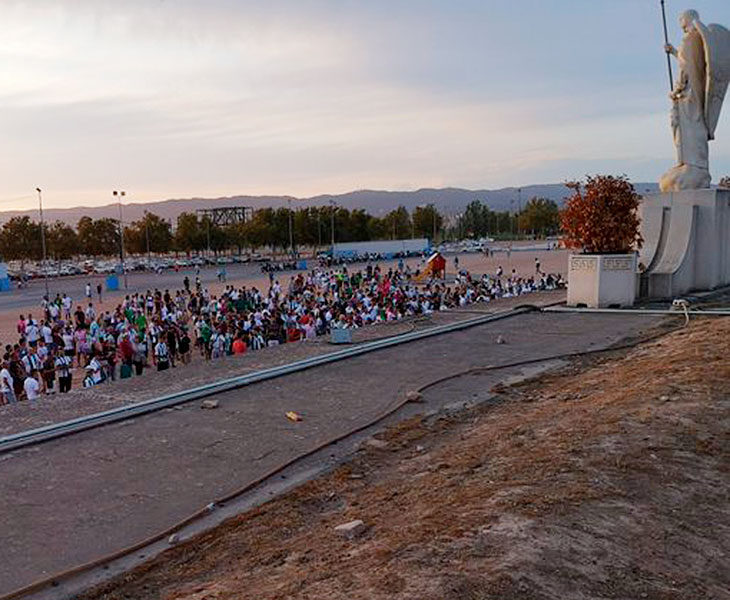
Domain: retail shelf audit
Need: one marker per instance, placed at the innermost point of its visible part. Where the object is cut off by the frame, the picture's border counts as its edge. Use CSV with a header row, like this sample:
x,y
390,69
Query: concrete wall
x,y
686,242
601,280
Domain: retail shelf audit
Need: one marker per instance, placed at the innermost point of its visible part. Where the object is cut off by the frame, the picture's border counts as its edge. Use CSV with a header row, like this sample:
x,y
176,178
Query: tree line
x,y
540,217
20,237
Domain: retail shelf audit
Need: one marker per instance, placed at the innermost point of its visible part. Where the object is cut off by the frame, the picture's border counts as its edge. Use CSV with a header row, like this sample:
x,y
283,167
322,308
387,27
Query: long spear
x,y
666,43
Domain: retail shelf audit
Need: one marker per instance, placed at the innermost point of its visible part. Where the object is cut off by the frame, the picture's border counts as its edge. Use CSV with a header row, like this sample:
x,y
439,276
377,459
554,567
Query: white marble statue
x,y
704,73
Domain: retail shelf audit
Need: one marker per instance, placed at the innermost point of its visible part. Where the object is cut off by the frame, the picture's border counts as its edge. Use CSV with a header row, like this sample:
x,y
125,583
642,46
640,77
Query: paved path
x,y
73,499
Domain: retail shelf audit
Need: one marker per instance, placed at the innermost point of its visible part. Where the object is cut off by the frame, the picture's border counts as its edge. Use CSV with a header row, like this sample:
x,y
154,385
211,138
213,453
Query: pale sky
x,y
207,98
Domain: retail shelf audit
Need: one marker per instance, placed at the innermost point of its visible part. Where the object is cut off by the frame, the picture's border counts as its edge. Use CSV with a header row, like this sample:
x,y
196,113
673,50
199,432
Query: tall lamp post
x,y
119,195
291,231
43,241
147,235
435,214
319,229
334,206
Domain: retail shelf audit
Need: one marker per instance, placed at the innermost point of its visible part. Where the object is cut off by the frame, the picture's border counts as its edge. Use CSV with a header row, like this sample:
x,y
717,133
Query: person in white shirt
x,y
32,333
90,312
217,343
31,385
47,333
6,384
42,350
95,368
67,303
53,311
161,356
63,368
68,342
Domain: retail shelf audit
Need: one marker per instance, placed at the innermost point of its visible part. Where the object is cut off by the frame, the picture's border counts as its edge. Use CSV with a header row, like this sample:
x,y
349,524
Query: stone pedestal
x,y
601,280
686,242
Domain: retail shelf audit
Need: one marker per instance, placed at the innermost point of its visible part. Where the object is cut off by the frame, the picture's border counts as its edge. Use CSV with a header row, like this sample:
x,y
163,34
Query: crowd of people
x,y
162,329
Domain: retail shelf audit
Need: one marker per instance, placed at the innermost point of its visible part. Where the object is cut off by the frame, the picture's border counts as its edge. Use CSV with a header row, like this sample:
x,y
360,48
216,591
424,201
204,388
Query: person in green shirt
x,y
206,333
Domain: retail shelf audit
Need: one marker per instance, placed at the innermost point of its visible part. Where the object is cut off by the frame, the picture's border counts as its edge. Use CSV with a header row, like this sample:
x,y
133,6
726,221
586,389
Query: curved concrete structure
x,y
685,242
652,226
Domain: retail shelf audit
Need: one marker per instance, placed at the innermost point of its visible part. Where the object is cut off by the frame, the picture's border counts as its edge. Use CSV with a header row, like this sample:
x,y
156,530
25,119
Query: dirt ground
x,y
606,480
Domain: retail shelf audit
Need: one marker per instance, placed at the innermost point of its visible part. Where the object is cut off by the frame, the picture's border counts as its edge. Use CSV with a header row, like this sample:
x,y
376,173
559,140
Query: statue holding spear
x,y
697,96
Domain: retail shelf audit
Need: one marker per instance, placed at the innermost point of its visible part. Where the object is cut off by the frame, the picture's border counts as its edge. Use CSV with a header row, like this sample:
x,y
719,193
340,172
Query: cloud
x,y
184,97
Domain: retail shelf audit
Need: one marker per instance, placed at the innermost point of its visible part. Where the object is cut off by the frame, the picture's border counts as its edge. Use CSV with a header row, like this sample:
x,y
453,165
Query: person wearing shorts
x,y
6,383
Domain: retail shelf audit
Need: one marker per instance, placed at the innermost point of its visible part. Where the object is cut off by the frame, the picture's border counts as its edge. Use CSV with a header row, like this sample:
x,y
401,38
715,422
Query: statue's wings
x,y
716,42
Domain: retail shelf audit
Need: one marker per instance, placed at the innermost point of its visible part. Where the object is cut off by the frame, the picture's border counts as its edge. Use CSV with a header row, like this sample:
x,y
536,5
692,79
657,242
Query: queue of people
x,y
162,329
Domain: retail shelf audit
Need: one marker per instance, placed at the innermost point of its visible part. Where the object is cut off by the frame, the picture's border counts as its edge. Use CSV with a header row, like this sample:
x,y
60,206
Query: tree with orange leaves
x,y
601,217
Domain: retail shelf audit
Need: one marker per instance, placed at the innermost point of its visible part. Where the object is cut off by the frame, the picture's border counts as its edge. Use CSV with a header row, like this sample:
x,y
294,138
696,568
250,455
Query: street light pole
x,y
514,216
291,231
147,235
43,241
319,229
119,195
332,202
434,224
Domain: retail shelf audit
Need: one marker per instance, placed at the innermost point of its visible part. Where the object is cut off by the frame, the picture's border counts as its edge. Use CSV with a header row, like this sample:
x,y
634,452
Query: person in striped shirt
x,y
63,369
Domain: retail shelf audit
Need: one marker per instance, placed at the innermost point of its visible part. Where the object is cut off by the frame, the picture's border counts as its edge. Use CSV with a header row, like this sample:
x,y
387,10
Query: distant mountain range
x,y
447,200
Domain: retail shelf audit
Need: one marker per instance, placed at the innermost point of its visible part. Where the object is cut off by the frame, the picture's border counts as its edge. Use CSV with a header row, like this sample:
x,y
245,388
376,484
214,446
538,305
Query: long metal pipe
x,y
49,432
640,311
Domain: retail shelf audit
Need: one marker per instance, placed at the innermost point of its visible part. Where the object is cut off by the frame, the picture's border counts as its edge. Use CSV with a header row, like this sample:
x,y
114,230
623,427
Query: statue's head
x,y
687,18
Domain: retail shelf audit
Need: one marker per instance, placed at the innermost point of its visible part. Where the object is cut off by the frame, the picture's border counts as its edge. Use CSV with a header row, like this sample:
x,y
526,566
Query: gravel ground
x,y
57,408
74,499
606,481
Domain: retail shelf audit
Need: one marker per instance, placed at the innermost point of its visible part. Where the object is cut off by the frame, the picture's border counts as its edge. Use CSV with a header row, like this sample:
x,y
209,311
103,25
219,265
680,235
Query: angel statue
x,y
704,72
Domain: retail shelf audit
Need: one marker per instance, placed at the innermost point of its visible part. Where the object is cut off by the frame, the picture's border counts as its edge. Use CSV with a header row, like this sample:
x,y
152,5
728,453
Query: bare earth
x,y
608,480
